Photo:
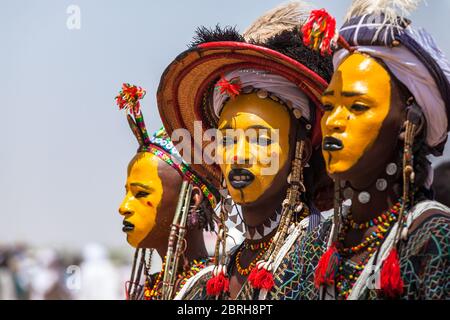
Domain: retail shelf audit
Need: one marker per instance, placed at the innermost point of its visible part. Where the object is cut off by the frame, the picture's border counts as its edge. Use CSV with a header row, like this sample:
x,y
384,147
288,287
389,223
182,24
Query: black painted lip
x,y
127,226
332,144
240,184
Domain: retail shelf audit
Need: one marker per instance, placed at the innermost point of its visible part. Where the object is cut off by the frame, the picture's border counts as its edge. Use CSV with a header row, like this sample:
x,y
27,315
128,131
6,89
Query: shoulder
x,y
428,215
428,230
195,287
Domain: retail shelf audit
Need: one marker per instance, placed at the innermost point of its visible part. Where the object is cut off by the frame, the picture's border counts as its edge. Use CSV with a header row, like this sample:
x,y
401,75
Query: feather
x,y
285,17
391,9
204,35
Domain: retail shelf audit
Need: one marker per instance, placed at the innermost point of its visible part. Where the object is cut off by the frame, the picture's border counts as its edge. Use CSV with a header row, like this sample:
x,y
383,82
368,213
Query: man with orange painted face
x,y
387,107
259,94
166,208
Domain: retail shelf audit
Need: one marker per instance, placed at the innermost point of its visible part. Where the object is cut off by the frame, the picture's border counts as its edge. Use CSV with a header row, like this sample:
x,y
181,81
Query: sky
x,y
64,146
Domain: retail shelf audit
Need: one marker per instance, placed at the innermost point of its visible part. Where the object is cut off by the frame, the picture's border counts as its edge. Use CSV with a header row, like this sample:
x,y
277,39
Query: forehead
x,y
360,73
144,167
249,110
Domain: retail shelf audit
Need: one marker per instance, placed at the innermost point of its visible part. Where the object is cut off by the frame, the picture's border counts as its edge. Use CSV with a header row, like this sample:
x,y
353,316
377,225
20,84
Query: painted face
x,y
144,190
254,145
356,103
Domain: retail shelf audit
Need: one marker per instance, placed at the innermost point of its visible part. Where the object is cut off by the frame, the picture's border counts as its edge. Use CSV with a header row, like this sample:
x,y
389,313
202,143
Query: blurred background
x,y
64,146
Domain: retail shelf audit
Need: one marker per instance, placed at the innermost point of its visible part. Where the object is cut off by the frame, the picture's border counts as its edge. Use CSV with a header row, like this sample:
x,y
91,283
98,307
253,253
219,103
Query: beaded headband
x,y
231,89
159,144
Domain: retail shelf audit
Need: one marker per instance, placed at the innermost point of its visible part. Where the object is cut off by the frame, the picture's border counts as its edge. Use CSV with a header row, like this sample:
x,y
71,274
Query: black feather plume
x,y
204,35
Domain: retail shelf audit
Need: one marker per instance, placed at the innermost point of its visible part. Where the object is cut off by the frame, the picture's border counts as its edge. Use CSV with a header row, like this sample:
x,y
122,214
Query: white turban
x,y
415,76
272,83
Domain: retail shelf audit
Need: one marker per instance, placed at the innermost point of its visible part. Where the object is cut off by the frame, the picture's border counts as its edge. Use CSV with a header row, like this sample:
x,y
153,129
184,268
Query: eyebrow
x,y
347,94
143,186
258,127
351,94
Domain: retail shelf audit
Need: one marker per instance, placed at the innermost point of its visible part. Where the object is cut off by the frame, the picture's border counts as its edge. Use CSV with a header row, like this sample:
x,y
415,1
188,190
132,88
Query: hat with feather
x,y
381,29
222,63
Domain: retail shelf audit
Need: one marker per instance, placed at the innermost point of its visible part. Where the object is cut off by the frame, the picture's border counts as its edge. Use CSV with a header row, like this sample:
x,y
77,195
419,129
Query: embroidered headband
x,y
159,144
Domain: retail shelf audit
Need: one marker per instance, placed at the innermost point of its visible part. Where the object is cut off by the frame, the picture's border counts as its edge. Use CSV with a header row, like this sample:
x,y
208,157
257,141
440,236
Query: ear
x,y
197,197
136,131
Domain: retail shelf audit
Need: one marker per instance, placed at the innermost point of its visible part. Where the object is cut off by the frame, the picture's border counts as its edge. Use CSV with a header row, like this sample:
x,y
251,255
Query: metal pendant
x,y
364,197
348,193
391,169
381,184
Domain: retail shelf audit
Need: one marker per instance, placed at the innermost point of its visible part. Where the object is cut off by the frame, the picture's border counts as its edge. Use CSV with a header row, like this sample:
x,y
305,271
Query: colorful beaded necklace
x,y
382,222
154,292
345,278
263,246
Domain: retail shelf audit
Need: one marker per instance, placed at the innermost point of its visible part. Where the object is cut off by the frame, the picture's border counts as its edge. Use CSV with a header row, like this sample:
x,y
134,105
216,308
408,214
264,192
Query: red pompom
x,y
327,268
261,279
129,97
391,278
217,285
231,88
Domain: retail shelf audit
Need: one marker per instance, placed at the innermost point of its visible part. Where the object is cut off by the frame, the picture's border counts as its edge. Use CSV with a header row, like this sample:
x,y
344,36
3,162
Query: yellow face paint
x,y
356,103
255,134
144,192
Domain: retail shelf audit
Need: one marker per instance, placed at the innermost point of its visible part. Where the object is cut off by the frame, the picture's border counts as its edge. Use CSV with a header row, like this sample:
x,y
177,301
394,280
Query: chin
x,y
132,242
236,196
339,170
243,198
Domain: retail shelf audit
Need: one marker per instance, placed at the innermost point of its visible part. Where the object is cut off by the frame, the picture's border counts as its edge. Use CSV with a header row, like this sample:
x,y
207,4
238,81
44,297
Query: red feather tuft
x,y
391,278
261,279
232,87
217,285
129,97
327,268
319,31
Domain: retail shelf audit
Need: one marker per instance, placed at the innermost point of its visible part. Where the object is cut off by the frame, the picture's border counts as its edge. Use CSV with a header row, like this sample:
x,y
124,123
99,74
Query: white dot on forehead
x,y
364,65
360,86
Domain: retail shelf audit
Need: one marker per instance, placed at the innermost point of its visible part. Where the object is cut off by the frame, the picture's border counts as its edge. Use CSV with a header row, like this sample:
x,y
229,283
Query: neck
x,y
366,181
256,215
380,201
196,248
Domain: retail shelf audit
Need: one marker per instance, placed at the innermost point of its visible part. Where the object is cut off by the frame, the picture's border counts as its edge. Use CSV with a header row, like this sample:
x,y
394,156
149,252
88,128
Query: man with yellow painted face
x,y
386,109
258,92
154,186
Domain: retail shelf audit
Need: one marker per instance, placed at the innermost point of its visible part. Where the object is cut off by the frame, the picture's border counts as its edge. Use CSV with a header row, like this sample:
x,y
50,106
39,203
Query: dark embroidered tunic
x,y
424,264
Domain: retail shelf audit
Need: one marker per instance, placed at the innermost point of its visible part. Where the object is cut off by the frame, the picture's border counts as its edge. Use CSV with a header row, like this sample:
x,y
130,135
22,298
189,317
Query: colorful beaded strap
x,y
159,144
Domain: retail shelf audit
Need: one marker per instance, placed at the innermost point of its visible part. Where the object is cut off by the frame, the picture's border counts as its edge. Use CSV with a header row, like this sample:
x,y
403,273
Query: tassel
x,y
217,285
327,268
391,278
261,279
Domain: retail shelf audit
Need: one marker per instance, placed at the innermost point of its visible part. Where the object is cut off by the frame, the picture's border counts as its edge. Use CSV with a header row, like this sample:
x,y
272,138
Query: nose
x,y
337,120
241,152
125,209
